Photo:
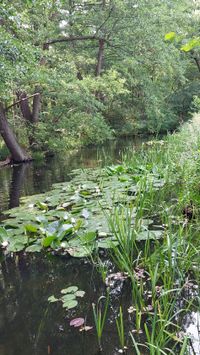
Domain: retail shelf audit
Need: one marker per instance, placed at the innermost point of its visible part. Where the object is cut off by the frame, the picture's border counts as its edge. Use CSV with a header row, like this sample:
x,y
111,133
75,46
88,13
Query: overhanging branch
x,y
24,99
69,39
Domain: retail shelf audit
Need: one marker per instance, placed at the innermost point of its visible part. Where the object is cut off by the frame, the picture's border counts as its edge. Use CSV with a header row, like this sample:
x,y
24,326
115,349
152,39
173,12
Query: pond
x,y
37,177
28,323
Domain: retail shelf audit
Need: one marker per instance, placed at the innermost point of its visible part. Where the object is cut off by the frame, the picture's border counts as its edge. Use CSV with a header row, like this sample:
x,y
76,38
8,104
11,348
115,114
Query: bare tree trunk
x,y
17,153
100,57
24,106
36,106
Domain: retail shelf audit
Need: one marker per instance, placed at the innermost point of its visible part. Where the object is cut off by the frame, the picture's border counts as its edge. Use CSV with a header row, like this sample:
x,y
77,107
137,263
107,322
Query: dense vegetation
x,y
85,71
138,223
76,73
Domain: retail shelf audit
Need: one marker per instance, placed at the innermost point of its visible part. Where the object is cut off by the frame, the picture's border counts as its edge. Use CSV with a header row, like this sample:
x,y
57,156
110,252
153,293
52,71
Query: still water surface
x,y
28,324
37,177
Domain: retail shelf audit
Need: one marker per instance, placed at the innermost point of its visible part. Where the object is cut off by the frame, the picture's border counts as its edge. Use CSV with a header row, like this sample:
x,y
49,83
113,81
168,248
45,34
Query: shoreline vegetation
x,y
144,216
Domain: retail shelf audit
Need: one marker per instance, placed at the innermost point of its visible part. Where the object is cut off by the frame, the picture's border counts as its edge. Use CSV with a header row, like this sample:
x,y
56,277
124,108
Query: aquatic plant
x,y
69,298
100,312
120,330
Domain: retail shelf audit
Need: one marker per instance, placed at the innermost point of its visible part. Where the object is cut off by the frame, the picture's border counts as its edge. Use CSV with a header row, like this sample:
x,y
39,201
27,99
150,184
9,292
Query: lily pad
x,y
70,304
77,322
145,235
52,299
68,297
34,248
70,289
80,293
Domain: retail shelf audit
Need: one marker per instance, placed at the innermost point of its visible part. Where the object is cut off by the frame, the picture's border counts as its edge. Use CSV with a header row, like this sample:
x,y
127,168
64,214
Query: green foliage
x,y
142,83
3,151
69,297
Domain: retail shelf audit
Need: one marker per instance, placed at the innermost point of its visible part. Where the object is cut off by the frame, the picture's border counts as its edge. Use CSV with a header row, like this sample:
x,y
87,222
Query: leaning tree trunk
x,y
17,153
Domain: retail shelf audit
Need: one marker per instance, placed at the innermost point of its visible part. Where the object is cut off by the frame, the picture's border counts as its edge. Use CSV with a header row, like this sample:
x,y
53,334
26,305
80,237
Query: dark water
x,y
28,324
37,177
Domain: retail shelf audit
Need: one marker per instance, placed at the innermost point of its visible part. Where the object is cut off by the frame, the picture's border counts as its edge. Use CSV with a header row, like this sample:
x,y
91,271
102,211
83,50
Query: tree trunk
x,y
36,106
17,153
24,106
197,61
100,57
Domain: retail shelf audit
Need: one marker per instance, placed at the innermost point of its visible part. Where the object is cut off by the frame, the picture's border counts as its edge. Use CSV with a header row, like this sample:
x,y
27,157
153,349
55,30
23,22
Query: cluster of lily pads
x,y
69,297
73,217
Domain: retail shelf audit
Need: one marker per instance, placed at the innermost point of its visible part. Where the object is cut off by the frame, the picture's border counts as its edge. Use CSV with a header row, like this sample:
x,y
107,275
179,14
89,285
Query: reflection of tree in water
x,y
37,177
18,176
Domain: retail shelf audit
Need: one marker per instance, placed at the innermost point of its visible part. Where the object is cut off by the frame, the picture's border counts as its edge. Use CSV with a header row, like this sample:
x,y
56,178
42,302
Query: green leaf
x,y
68,297
46,242
170,36
31,228
70,289
52,299
15,247
150,235
42,206
88,237
3,234
193,43
70,304
107,243
34,248
80,252
80,293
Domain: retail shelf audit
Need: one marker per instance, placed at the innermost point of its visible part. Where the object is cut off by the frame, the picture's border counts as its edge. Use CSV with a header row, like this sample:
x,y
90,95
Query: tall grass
x,y
171,261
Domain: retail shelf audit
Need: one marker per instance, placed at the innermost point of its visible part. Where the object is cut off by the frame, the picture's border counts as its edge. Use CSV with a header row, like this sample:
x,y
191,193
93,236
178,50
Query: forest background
x,y
75,73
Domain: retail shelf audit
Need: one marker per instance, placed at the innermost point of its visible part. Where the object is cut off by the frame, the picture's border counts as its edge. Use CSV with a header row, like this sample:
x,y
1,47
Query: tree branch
x,y
18,102
69,39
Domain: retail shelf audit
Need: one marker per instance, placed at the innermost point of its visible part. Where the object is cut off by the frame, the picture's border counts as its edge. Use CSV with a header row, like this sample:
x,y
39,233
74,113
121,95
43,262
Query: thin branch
x,y
197,61
18,102
107,18
70,39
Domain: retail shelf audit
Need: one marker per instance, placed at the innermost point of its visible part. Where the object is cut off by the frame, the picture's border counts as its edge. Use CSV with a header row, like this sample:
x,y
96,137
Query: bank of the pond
x,y
138,223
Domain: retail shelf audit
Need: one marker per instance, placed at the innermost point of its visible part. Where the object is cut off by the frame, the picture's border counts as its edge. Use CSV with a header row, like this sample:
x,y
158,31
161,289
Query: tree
x,y
93,66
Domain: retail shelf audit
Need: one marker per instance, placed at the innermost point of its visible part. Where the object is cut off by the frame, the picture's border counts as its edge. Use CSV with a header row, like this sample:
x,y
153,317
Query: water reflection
x,y
29,325
37,177
17,181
